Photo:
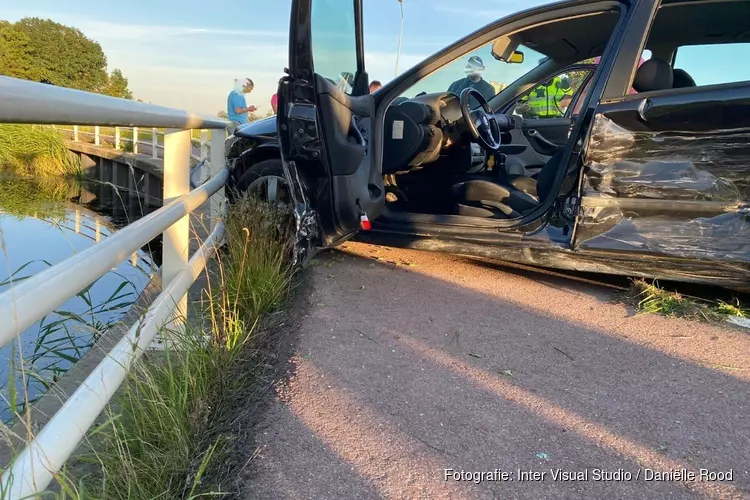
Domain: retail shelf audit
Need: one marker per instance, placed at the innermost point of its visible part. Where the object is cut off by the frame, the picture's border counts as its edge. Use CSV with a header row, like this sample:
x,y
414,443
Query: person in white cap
x,y
473,69
237,108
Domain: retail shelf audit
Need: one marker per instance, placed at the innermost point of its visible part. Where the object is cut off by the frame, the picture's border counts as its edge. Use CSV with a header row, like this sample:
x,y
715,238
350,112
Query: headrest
x,y
682,79
653,75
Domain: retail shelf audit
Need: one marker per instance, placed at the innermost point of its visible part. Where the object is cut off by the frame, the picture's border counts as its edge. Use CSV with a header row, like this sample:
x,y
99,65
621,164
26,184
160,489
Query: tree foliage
x,y
42,50
118,85
15,57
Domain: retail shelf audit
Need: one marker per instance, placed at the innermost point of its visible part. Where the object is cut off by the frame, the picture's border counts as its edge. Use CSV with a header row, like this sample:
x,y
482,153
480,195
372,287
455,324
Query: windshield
x,y
478,69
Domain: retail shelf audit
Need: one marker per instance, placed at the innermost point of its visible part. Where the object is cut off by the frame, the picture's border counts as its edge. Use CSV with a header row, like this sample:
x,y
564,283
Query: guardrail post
x,y
75,133
96,135
154,143
204,144
135,140
216,163
175,246
117,137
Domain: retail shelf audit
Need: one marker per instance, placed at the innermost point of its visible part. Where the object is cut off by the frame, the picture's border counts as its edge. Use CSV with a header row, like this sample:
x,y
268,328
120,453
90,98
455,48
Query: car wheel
x,y
266,181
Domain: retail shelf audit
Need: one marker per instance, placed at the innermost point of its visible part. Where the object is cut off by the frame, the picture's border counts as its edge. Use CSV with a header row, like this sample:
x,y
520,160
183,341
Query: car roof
x,y
573,39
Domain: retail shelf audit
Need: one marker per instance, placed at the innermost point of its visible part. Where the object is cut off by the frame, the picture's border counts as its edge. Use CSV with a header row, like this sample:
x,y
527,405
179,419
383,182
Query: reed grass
x,y
167,434
35,150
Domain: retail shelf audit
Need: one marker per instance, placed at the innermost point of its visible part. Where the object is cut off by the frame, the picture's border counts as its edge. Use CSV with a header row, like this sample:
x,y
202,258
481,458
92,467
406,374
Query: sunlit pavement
x,y
410,363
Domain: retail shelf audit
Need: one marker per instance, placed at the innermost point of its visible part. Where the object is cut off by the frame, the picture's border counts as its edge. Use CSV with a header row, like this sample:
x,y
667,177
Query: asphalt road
x,y
407,364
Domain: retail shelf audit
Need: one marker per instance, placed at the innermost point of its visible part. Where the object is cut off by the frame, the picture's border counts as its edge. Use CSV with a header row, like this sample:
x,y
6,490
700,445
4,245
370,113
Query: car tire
x,y
265,172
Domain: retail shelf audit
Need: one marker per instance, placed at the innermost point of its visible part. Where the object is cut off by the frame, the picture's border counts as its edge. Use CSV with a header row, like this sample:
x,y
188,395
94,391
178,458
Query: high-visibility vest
x,y
544,101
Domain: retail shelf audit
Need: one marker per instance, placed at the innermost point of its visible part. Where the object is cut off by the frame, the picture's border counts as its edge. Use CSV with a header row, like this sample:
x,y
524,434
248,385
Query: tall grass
x,y
167,434
64,336
35,150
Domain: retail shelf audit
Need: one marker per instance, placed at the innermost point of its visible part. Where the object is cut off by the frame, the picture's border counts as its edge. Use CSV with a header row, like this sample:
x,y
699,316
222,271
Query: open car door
x,y
325,113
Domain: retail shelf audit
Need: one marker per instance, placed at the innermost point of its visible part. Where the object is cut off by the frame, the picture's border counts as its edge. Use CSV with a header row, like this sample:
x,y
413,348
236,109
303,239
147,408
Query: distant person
x,y
275,98
237,108
375,86
473,69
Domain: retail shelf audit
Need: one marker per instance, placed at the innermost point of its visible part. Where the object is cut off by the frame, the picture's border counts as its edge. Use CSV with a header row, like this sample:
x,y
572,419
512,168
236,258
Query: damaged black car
x,y
575,135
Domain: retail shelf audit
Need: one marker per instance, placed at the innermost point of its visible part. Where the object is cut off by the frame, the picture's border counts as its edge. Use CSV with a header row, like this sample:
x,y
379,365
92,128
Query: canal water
x,y
42,223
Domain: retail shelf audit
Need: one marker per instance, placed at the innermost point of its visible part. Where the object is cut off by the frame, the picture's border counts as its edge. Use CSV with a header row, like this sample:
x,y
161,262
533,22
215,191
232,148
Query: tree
x,y
64,56
15,57
222,114
42,50
118,85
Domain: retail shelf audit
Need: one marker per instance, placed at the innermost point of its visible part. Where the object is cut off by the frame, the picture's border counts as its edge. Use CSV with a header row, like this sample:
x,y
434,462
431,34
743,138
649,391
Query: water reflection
x,y
41,224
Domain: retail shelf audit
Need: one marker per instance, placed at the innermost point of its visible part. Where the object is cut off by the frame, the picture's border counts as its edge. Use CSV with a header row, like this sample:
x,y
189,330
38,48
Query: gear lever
x,y
499,168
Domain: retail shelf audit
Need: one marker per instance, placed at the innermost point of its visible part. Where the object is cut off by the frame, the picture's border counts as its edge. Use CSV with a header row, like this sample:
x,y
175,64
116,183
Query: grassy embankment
x,y
168,432
35,150
38,168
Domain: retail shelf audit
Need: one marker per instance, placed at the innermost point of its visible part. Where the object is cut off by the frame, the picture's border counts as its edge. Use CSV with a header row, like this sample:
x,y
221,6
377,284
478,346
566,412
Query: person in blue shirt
x,y
237,108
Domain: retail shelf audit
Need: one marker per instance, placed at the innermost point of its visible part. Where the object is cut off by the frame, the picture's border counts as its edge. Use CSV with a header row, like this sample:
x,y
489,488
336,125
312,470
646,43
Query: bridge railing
x,y
154,145
27,302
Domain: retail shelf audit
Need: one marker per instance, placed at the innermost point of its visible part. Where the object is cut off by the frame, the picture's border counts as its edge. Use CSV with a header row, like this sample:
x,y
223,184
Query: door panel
x,y
668,173
340,114
356,186
323,110
545,135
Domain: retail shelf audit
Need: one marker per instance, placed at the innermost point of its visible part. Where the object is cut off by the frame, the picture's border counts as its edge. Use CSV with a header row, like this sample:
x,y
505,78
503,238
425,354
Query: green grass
x,y
650,298
64,337
35,150
168,434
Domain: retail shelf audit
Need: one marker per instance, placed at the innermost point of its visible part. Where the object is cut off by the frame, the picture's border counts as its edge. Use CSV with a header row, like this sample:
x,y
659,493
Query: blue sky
x,y
185,53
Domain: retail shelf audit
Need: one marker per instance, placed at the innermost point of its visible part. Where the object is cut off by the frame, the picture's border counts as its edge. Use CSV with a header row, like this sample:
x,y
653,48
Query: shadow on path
x,y
404,371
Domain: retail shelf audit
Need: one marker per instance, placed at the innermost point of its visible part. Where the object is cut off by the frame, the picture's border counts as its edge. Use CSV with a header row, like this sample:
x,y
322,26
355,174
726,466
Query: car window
x,y
552,98
705,49
715,64
478,69
334,46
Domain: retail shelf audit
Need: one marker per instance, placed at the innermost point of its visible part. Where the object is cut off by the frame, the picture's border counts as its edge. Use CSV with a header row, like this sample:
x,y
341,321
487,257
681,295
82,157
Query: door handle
x,y
642,109
357,133
534,133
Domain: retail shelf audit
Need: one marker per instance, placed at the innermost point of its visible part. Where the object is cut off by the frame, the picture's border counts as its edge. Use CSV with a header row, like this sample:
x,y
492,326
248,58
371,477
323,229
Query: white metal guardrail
x,y
202,144
30,300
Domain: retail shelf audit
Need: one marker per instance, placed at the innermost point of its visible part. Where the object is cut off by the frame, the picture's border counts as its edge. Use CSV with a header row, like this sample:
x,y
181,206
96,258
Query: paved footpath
x,y
410,363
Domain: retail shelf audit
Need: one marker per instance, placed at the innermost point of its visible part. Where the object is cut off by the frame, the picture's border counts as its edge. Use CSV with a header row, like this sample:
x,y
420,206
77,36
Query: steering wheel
x,y
481,121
